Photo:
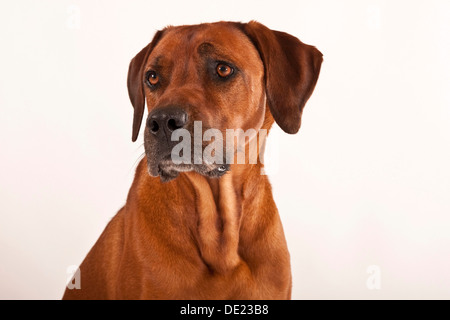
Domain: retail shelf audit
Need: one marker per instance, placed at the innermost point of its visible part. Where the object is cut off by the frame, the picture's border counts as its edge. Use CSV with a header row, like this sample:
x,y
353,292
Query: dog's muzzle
x,y
161,123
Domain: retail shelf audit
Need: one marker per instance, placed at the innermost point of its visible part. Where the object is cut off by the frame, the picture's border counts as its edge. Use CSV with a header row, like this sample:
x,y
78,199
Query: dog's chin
x,y
167,170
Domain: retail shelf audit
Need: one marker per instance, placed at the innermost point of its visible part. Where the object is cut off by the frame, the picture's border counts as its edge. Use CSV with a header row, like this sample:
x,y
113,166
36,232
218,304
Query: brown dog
x,y
203,230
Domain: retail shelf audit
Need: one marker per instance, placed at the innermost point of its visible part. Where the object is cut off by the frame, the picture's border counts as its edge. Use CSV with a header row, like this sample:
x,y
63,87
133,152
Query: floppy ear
x,y
135,83
291,72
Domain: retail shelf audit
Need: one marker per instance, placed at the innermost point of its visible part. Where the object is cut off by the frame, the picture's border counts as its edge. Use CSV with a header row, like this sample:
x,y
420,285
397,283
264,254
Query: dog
x,y
204,230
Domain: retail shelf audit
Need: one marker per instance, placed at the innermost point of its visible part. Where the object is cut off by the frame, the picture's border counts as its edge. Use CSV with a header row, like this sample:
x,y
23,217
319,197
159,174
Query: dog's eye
x,y
224,70
152,78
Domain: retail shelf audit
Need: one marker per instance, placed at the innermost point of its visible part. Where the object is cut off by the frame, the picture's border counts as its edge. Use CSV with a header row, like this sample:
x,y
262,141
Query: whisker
x,y
140,157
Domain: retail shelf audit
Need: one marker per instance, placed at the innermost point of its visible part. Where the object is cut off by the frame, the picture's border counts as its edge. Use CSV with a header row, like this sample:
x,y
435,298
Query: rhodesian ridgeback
x,y
204,230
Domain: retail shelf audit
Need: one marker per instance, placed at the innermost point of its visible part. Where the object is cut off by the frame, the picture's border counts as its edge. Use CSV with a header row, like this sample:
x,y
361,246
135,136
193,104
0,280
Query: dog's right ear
x,y
291,71
135,83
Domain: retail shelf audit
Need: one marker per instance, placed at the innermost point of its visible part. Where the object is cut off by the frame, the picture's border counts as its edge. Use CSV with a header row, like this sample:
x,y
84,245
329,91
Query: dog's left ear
x,y
291,72
135,83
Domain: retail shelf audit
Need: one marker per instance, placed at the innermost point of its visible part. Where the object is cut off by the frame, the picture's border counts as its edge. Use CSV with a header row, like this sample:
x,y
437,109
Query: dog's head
x,y
216,76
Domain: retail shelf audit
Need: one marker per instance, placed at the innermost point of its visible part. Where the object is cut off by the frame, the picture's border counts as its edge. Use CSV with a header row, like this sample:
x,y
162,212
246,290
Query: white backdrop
x,y
366,182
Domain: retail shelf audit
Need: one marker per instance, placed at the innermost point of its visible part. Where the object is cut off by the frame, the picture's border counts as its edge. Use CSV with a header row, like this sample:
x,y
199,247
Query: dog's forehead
x,y
223,38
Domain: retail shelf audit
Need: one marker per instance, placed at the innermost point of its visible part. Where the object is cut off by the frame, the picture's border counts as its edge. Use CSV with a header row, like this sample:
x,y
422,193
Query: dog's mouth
x,y
168,170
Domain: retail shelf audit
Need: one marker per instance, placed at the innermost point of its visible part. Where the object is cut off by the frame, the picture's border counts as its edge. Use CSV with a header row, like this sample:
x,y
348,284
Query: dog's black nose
x,y
166,120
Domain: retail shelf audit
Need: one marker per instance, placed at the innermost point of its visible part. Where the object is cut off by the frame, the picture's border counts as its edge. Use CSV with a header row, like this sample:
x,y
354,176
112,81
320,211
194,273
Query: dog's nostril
x,y
154,126
172,125
166,120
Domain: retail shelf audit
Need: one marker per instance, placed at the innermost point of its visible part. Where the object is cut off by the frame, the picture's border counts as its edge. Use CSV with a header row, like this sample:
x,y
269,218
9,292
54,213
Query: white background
x,y
365,182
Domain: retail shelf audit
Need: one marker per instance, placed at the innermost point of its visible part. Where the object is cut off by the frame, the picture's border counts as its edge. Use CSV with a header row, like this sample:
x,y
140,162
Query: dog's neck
x,y
219,203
